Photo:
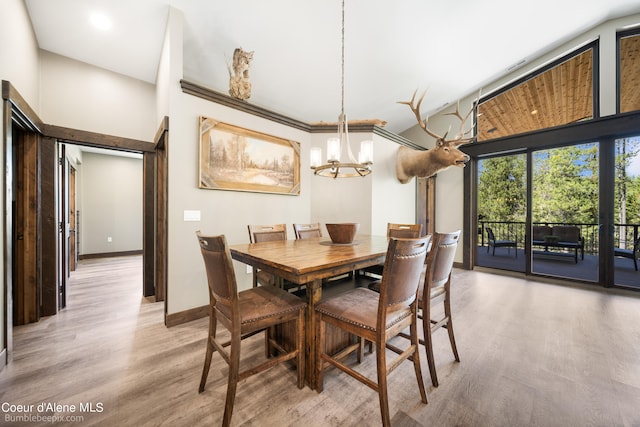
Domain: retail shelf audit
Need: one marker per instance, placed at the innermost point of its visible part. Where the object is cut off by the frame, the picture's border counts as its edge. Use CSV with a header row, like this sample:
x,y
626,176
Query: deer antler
x,y
416,110
460,137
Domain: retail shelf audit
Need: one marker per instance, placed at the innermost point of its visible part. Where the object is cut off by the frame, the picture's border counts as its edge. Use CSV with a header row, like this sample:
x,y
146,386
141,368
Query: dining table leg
x,y
314,294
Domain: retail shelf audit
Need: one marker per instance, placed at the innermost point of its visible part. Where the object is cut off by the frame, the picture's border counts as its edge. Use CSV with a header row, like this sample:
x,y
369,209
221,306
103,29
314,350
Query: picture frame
x,y
238,159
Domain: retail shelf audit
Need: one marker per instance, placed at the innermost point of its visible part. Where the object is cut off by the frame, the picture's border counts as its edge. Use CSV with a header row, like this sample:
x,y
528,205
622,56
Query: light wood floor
x,y
532,354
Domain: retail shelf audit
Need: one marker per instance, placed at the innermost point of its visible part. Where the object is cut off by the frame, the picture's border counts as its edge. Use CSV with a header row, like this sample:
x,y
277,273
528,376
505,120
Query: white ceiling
x,y
451,47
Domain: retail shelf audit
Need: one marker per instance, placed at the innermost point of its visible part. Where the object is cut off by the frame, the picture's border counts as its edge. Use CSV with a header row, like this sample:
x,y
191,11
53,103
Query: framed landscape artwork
x,y
233,158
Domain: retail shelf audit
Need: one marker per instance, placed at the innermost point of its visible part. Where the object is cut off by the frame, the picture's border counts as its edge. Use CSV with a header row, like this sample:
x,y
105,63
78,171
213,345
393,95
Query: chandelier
x,y
334,168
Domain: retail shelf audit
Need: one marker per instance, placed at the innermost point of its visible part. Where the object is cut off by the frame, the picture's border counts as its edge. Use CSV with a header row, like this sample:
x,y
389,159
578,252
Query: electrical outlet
x,y
249,269
109,239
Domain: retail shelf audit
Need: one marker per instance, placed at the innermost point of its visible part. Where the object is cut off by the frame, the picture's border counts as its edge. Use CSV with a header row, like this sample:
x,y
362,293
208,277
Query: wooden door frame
x,y
17,114
155,182
73,221
426,204
17,110
154,242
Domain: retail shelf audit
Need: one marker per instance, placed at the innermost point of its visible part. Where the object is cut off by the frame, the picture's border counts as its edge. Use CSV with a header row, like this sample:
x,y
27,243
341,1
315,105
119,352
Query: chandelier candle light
x,y
334,168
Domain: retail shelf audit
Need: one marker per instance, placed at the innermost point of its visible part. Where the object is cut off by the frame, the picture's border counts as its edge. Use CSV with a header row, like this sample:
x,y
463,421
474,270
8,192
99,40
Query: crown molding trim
x,y
228,101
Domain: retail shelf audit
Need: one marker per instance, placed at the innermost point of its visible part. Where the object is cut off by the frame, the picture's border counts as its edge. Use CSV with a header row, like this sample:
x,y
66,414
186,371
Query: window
x,y
560,94
629,72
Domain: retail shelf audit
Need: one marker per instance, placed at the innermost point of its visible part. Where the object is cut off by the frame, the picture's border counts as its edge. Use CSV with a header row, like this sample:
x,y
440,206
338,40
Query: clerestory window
x,y
559,94
628,71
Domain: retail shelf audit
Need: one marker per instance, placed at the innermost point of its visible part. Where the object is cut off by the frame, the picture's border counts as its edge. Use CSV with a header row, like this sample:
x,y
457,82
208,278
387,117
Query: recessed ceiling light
x,y
100,21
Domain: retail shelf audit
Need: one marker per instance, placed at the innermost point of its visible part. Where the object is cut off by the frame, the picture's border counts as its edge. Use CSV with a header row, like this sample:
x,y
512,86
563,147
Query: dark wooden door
x,y
25,280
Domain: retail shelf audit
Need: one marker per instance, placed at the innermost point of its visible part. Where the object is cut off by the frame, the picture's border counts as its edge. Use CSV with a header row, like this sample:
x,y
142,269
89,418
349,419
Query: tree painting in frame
x,y
233,158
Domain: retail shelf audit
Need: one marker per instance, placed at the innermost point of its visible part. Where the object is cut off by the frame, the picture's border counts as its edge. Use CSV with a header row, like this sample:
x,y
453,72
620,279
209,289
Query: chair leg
x,y
428,345
207,365
232,384
413,329
383,395
209,352
452,340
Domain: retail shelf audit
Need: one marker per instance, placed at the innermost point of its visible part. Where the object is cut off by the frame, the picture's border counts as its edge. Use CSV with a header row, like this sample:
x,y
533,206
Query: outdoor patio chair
x,y
629,253
495,243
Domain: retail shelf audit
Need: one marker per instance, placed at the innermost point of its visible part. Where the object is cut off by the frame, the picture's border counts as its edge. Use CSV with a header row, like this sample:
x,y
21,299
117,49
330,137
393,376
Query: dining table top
x,y
302,261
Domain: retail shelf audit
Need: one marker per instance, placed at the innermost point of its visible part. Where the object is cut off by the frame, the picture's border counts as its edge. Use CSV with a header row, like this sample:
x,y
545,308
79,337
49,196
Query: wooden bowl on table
x,y
342,233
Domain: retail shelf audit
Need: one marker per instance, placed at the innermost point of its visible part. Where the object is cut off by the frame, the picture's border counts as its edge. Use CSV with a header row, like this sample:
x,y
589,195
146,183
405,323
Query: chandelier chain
x,y
342,63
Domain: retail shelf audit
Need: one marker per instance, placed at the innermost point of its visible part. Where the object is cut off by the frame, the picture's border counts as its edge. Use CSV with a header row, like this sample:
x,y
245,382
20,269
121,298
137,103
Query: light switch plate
x,y
192,215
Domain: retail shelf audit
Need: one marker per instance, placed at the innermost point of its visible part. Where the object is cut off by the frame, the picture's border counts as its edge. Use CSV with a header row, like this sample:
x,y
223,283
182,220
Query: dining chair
x,y
436,288
307,231
407,231
245,314
377,317
266,233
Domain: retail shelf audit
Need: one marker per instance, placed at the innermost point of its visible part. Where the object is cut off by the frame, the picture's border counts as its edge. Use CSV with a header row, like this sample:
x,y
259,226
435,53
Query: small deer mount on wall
x,y
239,83
424,164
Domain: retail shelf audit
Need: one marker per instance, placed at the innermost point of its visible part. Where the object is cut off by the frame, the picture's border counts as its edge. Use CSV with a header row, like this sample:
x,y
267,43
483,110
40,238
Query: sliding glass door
x,y
564,212
502,196
626,229
563,209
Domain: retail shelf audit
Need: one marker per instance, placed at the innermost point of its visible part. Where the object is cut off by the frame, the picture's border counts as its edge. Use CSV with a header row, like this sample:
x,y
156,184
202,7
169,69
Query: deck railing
x,y
624,234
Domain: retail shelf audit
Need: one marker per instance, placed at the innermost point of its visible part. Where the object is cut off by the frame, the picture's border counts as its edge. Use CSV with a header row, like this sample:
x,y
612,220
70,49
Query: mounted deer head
x,y
424,164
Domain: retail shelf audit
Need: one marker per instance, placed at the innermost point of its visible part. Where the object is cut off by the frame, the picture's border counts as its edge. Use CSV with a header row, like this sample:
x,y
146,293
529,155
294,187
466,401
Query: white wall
x,y
18,65
391,201
19,62
222,212
81,96
110,204
449,188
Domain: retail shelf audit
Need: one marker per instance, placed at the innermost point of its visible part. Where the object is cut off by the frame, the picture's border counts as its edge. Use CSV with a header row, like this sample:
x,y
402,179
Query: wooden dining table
x,y
307,262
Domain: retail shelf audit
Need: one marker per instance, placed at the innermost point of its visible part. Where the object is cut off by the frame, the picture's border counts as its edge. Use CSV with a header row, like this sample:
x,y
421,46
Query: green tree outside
x,y
502,191
565,186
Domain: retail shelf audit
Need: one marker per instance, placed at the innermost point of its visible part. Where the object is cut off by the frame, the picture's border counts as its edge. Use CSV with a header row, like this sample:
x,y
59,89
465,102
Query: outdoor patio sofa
x,y
556,239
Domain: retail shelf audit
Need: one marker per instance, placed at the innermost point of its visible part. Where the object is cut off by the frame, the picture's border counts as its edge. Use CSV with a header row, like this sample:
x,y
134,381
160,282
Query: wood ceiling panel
x,y
561,95
629,73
